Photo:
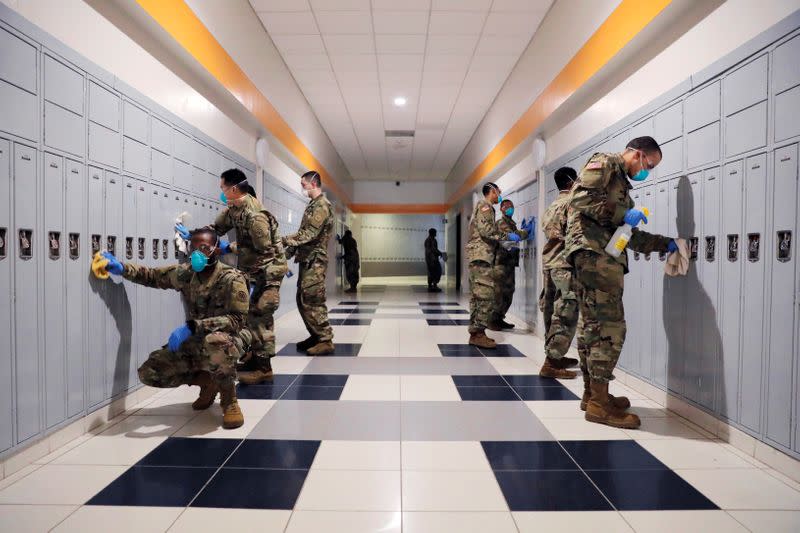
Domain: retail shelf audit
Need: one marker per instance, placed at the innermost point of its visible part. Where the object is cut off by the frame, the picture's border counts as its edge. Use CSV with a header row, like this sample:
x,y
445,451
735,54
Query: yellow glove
x,y
99,264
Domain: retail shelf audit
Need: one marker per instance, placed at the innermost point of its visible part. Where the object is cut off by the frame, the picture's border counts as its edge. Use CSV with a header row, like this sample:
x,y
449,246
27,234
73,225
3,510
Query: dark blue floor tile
x,y
342,350
342,310
154,486
479,381
277,454
260,392
431,302
244,488
435,311
458,311
550,490
440,322
545,393
296,392
487,394
178,451
502,350
322,380
461,322
459,350
531,380
612,455
357,302
539,455
332,322
356,322
649,490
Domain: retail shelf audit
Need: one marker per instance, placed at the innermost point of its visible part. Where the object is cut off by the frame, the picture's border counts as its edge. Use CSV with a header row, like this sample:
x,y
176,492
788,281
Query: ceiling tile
x,y
400,63
340,5
366,80
498,64
435,105
280,5
511,24
461,5
307,61
315,78
521,5
347,22
289,23
452,44
456,23
400,44
299,44
405,5
353,63
447,62
400,22
349,44
502,44
432,79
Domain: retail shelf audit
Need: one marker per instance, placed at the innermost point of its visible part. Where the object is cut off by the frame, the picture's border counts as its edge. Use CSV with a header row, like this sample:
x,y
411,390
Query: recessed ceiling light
x,y
399,101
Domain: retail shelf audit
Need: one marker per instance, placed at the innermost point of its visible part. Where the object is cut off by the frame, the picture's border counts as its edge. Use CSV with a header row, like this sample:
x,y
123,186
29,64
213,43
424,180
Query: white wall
x,y
409,192
725,29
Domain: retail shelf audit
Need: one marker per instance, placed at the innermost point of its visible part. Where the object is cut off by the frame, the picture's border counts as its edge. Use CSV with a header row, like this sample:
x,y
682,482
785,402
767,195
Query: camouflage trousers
x,y
559,296
351,271
481,301
600,281
504,286
311,299
215,353
261,319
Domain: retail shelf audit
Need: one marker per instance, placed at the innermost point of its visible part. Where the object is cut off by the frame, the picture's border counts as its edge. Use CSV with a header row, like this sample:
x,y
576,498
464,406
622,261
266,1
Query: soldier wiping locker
x,y
505,263
202,351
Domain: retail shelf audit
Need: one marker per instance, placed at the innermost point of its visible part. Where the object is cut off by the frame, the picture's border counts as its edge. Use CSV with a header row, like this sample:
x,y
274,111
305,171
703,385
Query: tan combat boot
x,y
306,344
620,402
600,410
480,340
556,368
323,348
208,391
232,416
261,373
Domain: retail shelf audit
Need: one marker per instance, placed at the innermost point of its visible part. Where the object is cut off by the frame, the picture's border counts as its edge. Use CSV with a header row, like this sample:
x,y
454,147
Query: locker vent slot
x,y
95,244
54,244
733,248
128,247
155,248
662,256
693,245
753,246
74,246
165,248
111,244
3,243
711,246
784,246
141,247
647,256
636,256
25,243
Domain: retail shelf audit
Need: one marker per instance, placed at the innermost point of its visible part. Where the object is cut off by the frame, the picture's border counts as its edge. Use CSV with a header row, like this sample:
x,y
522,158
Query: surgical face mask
x,y
223,198
643,172
509,212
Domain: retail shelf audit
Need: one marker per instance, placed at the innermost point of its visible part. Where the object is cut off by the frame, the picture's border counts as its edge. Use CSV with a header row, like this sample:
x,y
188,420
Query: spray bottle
x,y
621,237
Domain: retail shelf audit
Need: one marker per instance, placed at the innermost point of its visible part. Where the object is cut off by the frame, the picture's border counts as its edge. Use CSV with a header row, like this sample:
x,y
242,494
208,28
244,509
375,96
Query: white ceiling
x,y
448,58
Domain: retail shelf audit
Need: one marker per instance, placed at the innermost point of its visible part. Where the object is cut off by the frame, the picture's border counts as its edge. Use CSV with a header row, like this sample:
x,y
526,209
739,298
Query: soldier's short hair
x,y
432,231
489,187
646,144
204,230
313,177
564,178
506,202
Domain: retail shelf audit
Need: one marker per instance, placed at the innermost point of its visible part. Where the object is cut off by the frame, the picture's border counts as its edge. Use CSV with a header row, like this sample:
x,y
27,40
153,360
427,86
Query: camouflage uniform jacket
x,y
350,249
217,301
311,240
484,234
432,253
508,258
258,244
597,204
554,224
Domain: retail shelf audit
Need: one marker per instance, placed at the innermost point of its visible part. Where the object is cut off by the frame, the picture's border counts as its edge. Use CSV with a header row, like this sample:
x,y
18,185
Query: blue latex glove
x,y
289,274
178,336
634,216
184,231
224,247
531,229
113,266
513,237
672,246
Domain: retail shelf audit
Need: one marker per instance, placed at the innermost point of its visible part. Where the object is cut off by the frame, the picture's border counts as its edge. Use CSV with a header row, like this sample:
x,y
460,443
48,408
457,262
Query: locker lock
x,y
636,256
711,245
54,244
753,246
693,248
784,246
733,248
74,246
95,244
165,248
25,244
129,248
3,243
141,247
111,245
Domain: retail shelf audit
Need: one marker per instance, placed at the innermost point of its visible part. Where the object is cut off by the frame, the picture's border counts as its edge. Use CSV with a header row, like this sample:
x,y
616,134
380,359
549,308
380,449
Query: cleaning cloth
x,y
677,263
99,264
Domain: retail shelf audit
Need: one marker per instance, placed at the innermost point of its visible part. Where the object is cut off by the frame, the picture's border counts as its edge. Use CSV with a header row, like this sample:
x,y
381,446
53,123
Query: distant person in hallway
x,y
598,204
559,301
432,255
483,241
505,263
204,350
309,246
352,264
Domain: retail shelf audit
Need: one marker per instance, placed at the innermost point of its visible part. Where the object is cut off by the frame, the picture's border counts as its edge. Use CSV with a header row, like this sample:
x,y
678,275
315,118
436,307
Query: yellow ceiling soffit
x,y
178,20
400,209
625,22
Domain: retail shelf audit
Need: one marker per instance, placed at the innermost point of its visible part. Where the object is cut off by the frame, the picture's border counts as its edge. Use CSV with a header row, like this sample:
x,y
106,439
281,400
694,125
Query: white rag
x,y
677,263
183,218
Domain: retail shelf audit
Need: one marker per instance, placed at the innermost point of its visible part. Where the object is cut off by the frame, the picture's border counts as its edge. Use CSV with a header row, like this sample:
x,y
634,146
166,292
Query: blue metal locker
x,y
26,292
782,315
755,194
646,338
707,297
154,255
96,310
690,227
54,304
129,345
19,105
144,303
6,291
629,358
661,216
76,252
675,291
118,315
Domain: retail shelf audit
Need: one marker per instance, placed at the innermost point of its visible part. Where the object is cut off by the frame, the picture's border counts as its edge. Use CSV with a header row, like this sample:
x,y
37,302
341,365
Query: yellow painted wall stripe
x,y
400,209
177,19
625,22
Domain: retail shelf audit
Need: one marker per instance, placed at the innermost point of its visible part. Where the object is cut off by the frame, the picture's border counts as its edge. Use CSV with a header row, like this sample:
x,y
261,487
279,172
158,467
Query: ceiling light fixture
x,y
399,101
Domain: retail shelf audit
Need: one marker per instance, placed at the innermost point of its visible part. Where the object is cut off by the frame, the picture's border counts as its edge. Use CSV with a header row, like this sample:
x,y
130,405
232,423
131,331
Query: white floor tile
x,y
451,491
428,388
208,424
444,455
350,334
769,521
436,522
19,474
683,521
561,409
137,427
32,518
340,490
357,455
743,489
571,521
580,429
177,402
93,518
289,365
197,519
61,484
514,365
64,449
372,388
664,428
344,522
693,453
117,450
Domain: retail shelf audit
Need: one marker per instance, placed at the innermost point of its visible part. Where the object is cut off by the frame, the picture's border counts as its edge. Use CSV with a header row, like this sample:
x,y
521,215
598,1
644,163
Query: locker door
x,y
96,308
118,309
54,338
646,297
26,288
6,255
708,299
732,255
753,292
629,358
782,313
144,305
126,374
153,260
661,216
674,293
76,259
690,227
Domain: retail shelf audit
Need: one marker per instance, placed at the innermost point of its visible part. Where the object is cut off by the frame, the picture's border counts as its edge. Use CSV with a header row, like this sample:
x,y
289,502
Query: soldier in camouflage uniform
x,y
260,255
558,301
351,260
204,350
434,267
599,203
309,246
484,238
505,261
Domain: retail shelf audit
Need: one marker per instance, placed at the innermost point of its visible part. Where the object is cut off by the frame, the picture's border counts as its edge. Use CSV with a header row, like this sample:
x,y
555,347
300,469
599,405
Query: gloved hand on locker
x,y
672,246
99,264
183,231
113,266
514,237
178,337
224,247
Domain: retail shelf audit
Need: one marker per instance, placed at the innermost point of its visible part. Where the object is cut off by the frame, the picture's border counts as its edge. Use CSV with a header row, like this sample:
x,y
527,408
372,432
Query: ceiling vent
x,y
399,139
399,133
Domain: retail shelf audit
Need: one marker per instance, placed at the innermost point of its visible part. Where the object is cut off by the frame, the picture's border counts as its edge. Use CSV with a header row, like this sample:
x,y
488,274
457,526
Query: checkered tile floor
x,y
405,428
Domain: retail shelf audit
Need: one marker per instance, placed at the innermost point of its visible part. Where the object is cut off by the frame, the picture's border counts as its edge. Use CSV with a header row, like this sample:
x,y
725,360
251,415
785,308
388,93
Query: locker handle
x,y
96,176
712,178
112,180
754,167
26,158
141,188
783,159
53,165
128,185
733,172
75,171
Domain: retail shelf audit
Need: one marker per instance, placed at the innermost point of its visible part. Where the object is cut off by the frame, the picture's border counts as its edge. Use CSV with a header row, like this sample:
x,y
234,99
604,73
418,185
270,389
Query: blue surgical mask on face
x,y
199,261
641,175
509,211
223,198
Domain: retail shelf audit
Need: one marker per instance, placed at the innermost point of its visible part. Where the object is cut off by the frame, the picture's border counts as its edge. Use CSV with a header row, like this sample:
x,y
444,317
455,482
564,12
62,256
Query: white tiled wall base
x,y
101,418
